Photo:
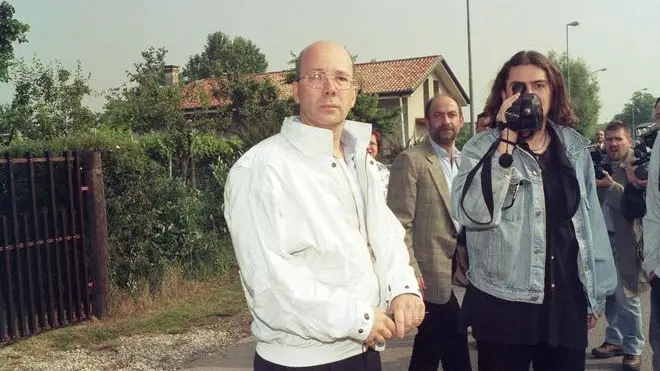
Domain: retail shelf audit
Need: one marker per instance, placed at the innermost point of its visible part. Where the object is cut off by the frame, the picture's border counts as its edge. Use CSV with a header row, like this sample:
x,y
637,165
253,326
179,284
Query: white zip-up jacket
x,y
305,266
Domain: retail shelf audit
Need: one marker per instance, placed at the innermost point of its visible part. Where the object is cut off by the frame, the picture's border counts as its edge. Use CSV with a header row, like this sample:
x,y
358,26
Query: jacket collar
x,y
627,159
573,141
313,141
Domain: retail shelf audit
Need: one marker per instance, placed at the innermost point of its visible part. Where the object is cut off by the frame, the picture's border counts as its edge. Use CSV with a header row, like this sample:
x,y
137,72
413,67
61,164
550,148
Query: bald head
x,y
599,136
441,98
320,47
324,87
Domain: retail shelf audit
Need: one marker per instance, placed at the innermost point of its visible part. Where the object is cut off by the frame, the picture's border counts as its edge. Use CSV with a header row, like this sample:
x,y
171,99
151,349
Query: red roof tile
x,y
393,76
199,93
401,75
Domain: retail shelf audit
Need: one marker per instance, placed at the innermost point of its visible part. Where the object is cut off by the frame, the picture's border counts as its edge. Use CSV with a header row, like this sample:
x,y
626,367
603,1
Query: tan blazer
x,y
418,195
628,234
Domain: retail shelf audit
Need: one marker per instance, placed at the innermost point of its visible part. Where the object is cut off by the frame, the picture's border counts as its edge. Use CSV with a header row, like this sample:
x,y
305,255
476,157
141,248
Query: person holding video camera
x,y
541,264
651,224
623,311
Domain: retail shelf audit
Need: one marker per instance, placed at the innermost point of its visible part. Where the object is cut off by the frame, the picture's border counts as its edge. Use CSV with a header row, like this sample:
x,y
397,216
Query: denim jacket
x,y
507,255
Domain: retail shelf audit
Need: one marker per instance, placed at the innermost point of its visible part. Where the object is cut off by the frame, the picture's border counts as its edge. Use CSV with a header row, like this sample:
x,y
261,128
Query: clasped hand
x,y
406,311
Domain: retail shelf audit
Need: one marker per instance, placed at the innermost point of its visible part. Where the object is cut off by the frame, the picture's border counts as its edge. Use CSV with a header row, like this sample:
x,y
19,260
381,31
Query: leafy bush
x,y
154,221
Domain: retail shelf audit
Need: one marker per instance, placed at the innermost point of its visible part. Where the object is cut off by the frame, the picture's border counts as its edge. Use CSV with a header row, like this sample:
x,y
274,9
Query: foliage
x,y
223,55
145,104
366,109
148,105
584,90
153,222
47,102
256,110
11,31
464,135
638,110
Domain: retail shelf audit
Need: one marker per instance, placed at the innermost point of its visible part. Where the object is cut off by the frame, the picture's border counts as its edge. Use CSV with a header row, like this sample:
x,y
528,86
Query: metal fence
x,y
53,243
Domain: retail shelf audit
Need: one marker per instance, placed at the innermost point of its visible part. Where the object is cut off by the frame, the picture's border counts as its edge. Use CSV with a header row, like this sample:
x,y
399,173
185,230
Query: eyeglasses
x,y
318,79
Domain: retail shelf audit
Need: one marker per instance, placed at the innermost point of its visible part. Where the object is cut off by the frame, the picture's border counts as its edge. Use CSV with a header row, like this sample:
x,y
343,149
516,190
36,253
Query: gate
x,y
53,243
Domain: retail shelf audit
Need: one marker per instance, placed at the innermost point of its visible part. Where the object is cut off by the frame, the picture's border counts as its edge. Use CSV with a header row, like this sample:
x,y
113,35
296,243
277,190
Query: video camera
x,y
526,113
646,135
601,162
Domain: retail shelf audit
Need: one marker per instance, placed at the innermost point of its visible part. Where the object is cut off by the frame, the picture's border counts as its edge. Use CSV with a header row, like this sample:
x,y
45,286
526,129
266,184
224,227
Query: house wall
x,y
417,125
415,116
413,127
392,142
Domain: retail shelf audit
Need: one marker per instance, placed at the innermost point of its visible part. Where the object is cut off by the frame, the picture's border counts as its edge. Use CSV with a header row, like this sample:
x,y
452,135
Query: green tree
x,y
584,90
11,31
366,109
256,108
225,56
47,102
638,110
147,105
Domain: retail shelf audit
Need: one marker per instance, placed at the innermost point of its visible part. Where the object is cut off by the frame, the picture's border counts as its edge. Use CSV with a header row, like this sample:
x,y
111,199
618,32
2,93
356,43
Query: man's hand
x,y
607,180
591,321
382,329
408,313
652,276
422,284
632,178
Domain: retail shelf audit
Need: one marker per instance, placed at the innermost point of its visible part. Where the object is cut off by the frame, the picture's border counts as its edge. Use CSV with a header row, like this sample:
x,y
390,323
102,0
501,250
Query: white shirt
x,y
449,167
350,168
305,265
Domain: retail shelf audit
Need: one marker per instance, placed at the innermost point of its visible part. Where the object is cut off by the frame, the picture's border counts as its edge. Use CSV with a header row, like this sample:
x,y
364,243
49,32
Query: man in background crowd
x,y
624,334
420,187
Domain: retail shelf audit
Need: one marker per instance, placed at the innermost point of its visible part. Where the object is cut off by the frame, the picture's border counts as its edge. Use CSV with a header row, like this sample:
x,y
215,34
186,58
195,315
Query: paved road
x,y
238,357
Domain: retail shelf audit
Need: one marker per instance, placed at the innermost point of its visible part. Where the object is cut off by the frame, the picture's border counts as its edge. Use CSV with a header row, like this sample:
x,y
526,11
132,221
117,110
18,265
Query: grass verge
x,y
178,306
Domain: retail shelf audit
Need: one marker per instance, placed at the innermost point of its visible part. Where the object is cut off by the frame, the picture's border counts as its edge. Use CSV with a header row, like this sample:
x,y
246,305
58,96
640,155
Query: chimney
x,y
171,75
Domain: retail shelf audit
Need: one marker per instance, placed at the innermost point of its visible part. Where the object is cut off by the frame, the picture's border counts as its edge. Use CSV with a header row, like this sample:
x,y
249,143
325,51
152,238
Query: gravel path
x,y
153,352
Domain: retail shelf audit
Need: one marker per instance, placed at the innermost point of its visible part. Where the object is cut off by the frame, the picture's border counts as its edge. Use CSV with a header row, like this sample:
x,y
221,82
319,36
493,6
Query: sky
x,y
108,36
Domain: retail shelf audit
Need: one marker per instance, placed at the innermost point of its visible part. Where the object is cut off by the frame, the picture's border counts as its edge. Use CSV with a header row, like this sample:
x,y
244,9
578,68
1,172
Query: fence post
x,y
98,232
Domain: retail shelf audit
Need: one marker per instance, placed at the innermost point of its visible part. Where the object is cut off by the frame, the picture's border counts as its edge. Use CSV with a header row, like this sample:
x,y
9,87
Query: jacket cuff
x,y
363,323
400,288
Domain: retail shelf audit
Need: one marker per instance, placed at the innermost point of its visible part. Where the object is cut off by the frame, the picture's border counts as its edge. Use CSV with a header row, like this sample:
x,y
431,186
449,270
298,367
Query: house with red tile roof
x,y
402,83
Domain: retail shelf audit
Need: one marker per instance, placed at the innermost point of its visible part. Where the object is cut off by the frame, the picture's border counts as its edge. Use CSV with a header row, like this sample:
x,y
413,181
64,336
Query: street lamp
x,y
474,124
599,70
568,60
632,111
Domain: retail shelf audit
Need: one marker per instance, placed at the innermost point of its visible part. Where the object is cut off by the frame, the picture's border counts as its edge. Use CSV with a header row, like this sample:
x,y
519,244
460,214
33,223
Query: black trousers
x,y
441,338
505,357
367,361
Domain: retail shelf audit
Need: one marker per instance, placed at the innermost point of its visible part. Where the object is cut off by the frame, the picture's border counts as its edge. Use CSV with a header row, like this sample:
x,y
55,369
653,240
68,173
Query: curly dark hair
x,y
561,110
379,137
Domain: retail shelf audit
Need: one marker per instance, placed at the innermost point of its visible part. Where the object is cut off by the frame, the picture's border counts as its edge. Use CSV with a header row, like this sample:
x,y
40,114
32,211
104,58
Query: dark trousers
x,y
505,357
367,361
441,338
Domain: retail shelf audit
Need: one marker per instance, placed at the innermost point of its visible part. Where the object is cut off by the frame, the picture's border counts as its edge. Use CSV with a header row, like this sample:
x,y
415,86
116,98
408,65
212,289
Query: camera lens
x,y
642,172
518,87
